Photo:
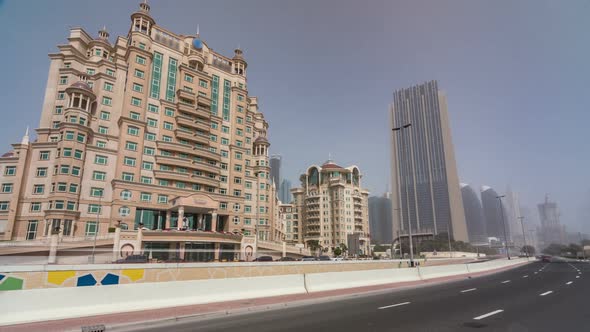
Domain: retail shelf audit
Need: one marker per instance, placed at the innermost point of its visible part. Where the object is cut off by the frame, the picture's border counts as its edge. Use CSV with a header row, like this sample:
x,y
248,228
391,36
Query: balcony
x,y
186,177
186,95
198,112
189,122
193,137
187,163
177,147
204,101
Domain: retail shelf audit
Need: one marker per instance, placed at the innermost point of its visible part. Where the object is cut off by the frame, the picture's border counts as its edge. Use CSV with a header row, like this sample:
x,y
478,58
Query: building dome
x,y
197,43
330,164
8,154
261,139
81,85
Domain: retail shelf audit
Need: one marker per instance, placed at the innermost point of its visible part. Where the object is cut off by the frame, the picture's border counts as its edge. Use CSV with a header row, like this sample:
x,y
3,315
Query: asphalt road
x,y
534,297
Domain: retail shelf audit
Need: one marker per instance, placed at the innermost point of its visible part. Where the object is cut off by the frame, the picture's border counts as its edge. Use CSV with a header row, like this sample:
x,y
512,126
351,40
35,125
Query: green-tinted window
x,y
107,101
203,83
73,188
150,137
166,138
110,72
99,176
134,115
152,122
64,169
171,83
96,192
103,130
139,59
214,125
67,152
224,141
139,73
146,180
108,86
214,94
105,115
81,138
129,161
101,144
168,125
135,101
127,176
156,75
76,171
35,207
225,129
145,197
59,109
101,160
169,112
131,146
226,99
93,208
188,78
149,151
78,154
69,136
153,108
137,87
147,165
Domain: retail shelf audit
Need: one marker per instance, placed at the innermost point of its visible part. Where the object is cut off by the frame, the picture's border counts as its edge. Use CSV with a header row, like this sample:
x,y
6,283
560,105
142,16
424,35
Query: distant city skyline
x,y
515,83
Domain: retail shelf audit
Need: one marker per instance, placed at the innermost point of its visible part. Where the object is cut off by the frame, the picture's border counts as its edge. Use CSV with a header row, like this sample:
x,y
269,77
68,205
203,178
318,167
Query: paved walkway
x,y
147,316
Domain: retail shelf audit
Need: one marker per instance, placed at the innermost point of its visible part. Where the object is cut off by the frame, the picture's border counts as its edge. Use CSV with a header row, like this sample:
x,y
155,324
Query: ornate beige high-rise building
x,y
330,206
154,129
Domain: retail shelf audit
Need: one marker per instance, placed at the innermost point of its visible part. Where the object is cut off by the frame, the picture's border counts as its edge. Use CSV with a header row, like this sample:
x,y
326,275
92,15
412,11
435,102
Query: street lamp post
x,y
503,225
582,245
526,252
398,129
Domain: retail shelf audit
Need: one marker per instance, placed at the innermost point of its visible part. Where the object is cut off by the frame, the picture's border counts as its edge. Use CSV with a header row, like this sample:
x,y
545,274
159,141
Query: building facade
x,y
330,204
275,170
494,212
285,191
154,130
551,229
380,221
424,172
476,226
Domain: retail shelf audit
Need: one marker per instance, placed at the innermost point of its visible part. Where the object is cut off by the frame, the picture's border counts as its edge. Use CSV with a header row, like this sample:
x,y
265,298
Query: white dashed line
x,y
394,305
577,277
525,276
536,272
546,293
488,314
569,283
505,281
468,290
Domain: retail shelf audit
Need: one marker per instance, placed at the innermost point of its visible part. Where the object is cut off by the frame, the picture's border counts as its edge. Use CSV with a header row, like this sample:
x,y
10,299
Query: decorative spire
x,y
25,139
198,34
144,7
103,33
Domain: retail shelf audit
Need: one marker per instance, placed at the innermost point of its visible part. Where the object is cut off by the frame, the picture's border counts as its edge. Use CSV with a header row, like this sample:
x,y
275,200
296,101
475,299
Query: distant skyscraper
x,y
476,227
551,230
494,213
512,217
380,222
424,172
285,192
275,170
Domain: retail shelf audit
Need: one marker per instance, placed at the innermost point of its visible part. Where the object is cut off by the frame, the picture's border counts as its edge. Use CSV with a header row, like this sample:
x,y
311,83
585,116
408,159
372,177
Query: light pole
x,y
503,225
582,245
449,238
398,129
526,252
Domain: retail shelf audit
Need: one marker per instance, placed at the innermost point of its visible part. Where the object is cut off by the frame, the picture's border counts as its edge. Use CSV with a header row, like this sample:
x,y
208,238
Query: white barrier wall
x,y
60,303
317,282
33,305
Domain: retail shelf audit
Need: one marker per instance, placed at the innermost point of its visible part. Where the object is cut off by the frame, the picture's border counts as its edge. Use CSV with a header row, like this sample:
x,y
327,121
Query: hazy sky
x,y
516,74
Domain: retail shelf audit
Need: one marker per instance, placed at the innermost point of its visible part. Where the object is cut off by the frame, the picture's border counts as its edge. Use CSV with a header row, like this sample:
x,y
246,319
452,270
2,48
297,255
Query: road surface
x,y
534,297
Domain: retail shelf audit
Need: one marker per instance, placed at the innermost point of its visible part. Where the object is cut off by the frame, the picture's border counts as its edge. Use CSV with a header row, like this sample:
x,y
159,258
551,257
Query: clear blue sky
x,y
516,74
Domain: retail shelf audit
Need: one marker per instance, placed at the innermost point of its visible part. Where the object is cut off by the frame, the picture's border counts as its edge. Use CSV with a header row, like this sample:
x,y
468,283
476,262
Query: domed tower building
x,y
148,134
332,209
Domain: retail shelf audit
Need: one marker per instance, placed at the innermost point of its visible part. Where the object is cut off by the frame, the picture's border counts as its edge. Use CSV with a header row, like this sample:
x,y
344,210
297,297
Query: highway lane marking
x,y
393,305
546,293
569,283
489,314
577,277
536,272
505,281
468,290
525,276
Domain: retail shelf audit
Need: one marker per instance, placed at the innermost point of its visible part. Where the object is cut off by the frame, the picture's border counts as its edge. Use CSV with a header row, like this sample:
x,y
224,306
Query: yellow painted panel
x,y
134,275
58,277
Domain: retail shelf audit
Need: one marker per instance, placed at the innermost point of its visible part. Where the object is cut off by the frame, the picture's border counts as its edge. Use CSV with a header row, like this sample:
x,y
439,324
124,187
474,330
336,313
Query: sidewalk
x,y
138,318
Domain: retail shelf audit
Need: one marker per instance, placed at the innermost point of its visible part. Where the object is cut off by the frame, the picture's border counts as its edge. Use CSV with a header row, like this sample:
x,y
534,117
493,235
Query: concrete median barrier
x,y
61,303
317,282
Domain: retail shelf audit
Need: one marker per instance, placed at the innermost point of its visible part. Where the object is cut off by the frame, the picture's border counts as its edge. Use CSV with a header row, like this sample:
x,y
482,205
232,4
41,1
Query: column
x,y
214,222
180,218
181,251
168,219
53,247
217,251
116,243
138,242
284,249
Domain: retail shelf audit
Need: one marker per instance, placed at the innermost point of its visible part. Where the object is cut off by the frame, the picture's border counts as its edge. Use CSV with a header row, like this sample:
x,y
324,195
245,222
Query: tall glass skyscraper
x,y
275,170
424,172
476,226
494,213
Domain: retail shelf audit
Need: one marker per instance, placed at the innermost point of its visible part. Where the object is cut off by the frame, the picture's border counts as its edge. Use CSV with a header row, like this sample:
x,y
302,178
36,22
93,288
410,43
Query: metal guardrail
x,y
47,241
